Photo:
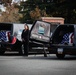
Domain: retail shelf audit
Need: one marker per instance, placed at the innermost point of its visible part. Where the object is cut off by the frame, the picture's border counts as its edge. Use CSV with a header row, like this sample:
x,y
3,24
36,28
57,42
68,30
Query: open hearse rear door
x,y
40,32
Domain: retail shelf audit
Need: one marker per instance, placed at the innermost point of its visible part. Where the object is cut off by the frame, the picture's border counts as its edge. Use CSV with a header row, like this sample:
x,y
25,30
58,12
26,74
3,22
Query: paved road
x,y
37,65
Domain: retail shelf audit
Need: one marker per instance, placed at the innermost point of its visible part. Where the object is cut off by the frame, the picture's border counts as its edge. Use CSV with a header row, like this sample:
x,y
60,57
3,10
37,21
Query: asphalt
x,y
13,64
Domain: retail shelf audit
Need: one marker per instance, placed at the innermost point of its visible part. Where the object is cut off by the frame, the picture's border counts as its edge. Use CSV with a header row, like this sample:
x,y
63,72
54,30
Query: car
x,y
63,40
43,34
40,35
10,37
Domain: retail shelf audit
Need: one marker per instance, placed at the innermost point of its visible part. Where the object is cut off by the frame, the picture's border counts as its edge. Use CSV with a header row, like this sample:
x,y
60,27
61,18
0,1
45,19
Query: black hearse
x,y
44,34
40,35
63,40
15,30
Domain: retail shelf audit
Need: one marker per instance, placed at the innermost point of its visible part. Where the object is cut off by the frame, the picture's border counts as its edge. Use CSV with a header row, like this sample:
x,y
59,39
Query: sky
x,y
18,0
3,9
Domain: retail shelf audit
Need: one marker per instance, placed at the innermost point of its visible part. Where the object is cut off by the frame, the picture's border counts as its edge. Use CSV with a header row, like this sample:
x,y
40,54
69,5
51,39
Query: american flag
x,y
3,36
68,38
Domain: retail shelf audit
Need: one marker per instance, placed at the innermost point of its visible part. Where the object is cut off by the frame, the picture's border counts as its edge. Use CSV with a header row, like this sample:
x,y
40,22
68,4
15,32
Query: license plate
x,y
60,50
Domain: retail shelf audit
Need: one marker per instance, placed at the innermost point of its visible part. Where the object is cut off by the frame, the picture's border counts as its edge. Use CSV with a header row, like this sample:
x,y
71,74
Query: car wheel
x,y
2,52
60,56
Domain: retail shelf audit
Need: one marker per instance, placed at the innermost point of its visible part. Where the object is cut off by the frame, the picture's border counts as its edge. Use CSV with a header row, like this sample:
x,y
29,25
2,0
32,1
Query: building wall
x,y
53,19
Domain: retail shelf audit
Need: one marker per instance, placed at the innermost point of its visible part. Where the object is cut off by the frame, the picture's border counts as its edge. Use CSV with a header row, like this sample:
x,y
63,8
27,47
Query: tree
x,y
6,2
11,14
32,10
37,14
66,9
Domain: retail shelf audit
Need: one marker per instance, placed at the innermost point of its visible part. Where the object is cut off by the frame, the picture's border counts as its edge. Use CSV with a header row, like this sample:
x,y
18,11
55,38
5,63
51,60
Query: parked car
x,y
61,42
10,37
40,34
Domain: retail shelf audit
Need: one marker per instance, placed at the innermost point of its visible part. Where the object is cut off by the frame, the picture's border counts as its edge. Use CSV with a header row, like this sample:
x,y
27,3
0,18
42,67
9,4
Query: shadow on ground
x,y
33,56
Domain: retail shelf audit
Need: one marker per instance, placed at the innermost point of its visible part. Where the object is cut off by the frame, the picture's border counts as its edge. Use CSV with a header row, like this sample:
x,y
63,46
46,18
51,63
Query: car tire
x,y
60,56
2,52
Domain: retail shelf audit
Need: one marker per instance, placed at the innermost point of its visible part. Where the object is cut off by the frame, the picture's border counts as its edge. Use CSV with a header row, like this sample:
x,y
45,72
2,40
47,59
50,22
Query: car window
x,y
42,28
41,31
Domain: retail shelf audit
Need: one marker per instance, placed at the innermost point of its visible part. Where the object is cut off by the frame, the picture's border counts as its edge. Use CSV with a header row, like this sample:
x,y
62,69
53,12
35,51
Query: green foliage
x,y
10,15
54,8
6,2
32,10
